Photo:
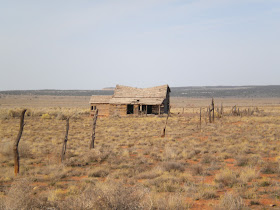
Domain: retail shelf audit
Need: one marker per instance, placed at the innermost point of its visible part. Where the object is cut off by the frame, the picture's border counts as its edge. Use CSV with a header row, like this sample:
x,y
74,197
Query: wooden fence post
x,y
65,140
93,129
210,117
213,109
200,119
16,142
163,131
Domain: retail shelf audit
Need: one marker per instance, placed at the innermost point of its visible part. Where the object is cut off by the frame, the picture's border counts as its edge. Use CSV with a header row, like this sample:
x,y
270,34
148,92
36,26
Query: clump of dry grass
x,y
173,166
200,191
208,158
242,160
269,168
173,201
109,195
6,150
92,156
248,174
226,177
99,172
154,173
232,201
19,195
165,183
197,169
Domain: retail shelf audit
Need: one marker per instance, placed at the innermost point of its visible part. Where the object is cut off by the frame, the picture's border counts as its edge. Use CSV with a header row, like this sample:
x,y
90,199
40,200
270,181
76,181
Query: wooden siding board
x,y
103,109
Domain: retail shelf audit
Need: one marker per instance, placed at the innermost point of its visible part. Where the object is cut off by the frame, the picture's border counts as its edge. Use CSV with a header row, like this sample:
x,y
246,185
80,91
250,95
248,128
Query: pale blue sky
x,y
95,44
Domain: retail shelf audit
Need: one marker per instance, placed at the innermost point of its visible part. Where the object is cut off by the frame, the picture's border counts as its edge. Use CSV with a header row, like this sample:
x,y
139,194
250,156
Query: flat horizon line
x,y
108,88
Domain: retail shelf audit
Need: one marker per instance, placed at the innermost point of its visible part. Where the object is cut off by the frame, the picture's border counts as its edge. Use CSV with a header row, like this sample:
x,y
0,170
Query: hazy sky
x,y
91,44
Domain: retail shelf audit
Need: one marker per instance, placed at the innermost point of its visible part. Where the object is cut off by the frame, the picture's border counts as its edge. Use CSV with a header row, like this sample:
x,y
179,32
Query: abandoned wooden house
x,y
132,101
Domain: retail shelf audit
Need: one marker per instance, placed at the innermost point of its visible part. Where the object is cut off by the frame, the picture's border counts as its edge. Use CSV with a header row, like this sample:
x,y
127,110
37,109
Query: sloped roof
x,y
100,99
131,92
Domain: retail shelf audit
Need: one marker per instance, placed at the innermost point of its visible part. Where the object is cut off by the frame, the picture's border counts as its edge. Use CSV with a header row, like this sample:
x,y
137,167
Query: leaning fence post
x,y
93,129
65,140
16,142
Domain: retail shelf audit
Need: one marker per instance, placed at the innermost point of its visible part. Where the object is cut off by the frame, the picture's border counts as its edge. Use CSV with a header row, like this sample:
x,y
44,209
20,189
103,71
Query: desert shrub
x,y
255,160
265,182
269,168
232,201
2,203
205,192
227,177
193,153
109,195
19,195
248,174
54,172
149,174
169,154
91,156
46,116
197,169
75,116
124,173
248,193
213,166
173,166
7,149
169,202
98,172
200,191
4,115
242,160
14,113
165,183
60,116
208,159
24,150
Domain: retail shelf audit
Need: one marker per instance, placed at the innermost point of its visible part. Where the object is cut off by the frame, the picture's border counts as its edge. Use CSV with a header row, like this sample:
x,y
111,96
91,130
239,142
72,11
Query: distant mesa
x,y
109,88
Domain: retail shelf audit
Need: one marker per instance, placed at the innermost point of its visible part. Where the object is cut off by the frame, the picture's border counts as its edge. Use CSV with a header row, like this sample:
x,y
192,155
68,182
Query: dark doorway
x,y
130,109
149,109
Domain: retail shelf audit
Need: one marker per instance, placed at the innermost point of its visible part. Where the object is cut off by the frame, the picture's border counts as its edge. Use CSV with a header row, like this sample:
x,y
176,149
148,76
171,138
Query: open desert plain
x,y
231,163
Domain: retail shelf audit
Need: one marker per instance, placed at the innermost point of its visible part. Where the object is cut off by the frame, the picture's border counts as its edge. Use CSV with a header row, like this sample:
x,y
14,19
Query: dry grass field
x,y
233,163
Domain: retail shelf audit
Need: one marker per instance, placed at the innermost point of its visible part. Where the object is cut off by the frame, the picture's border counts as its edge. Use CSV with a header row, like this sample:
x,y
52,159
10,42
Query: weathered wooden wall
x,y
103,109
166,103
121,109
117,110
136,109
